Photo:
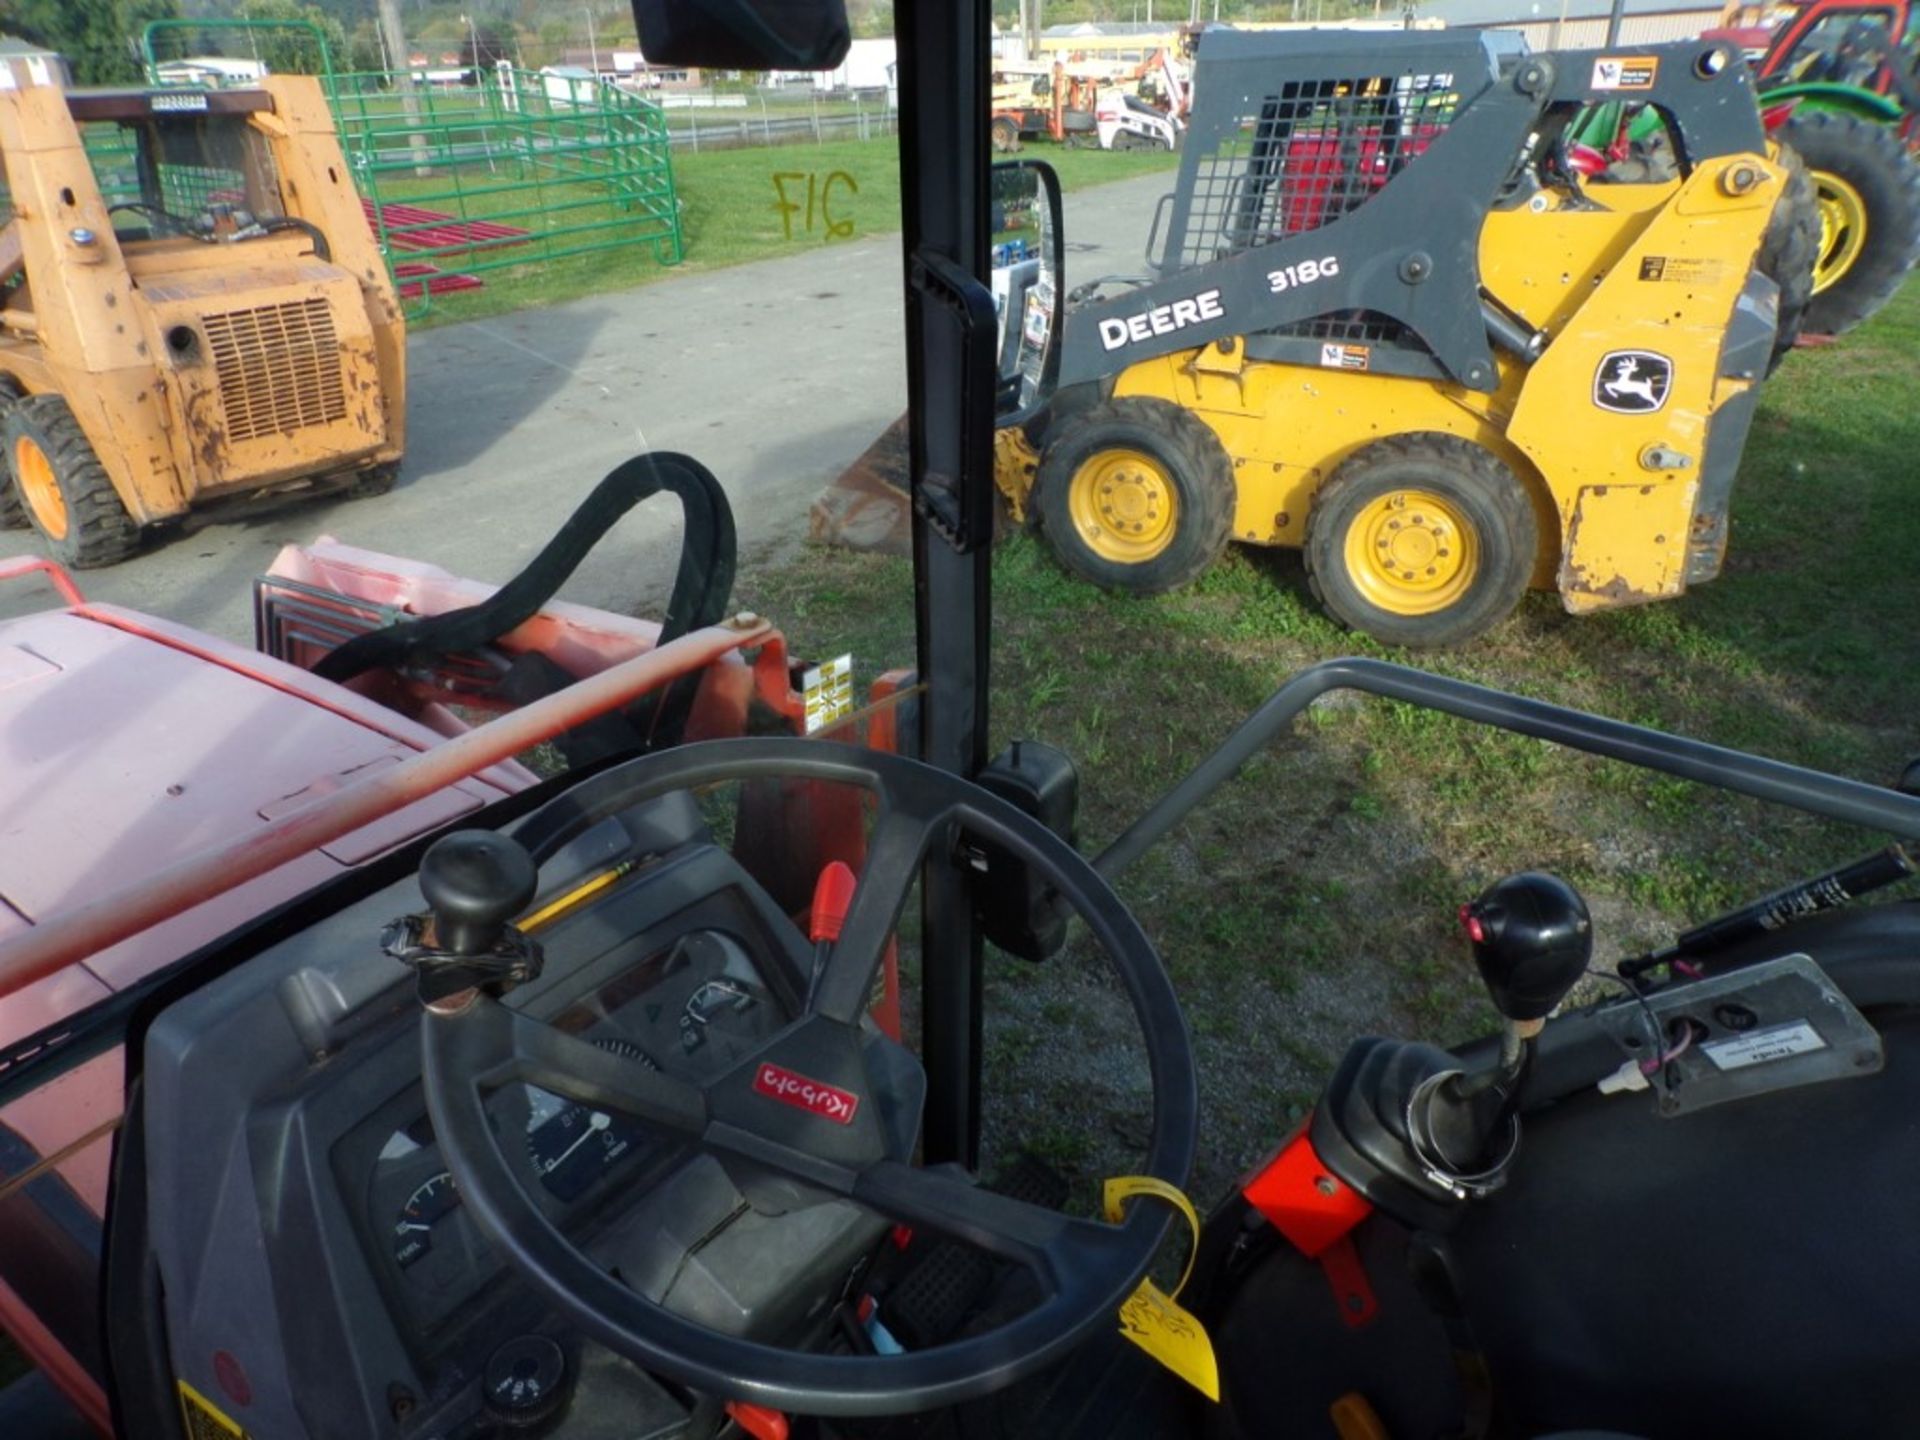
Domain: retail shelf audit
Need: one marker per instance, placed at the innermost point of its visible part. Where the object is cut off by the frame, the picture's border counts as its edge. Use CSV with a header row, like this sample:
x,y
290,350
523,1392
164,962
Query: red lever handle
x,y
832,898
758,1420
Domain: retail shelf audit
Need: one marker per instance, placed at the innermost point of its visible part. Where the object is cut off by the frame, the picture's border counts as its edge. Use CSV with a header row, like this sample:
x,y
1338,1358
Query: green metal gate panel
x,y
525,167
509,169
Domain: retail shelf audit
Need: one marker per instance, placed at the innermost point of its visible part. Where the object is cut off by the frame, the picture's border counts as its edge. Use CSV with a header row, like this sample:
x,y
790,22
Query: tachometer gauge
x,y
571,1145
413,1230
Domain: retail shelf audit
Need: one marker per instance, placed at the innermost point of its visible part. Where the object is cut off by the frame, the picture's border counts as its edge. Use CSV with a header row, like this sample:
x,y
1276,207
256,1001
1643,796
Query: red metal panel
x,y
141,754
1305,1201
291,679
414,227
79,933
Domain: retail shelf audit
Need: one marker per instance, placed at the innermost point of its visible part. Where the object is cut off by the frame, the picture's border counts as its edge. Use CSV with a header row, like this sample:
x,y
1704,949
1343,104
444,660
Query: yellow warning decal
x,y
203,1418
827,692
1153,1319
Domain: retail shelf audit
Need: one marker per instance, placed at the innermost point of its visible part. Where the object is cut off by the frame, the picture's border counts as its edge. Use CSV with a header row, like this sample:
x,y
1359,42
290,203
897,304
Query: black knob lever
x,y
475,882
1532,941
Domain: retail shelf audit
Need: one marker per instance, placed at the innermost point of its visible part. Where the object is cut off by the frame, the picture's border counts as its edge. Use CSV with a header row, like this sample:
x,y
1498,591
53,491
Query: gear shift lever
x,y
1532,940
1402,1123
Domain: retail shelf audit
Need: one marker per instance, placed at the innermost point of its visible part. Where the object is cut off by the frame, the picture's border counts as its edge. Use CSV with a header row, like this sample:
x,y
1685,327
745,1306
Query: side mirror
x,y
744,34
1029,290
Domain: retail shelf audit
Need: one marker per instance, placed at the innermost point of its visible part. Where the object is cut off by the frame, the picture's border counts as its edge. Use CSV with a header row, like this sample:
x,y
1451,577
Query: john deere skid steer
x,y
193,310
1391,324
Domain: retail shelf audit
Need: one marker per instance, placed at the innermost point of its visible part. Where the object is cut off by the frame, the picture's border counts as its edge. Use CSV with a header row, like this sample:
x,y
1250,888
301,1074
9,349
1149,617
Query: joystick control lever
x,y
474,882
1532,941
1409,1128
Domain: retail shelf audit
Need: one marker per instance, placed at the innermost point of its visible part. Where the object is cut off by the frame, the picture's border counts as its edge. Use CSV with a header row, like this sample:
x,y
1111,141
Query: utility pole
x,y
593,46
393,39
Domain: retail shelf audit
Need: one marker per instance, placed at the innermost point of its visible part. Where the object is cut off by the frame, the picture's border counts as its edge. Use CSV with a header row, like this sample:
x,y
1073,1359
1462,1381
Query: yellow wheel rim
x,y
1412,552
38,487
1122,504
1843,229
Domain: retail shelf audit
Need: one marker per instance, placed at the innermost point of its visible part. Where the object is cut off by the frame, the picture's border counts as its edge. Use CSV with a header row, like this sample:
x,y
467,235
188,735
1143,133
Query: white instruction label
x,y
1762,1046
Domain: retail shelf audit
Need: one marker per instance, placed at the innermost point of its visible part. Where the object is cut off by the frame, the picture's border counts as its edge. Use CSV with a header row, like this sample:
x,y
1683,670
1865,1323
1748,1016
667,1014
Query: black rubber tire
x,y
1870,158
13,514
1005,136
1481,486
1065,404
99,530
1788,250
1197,467
376,481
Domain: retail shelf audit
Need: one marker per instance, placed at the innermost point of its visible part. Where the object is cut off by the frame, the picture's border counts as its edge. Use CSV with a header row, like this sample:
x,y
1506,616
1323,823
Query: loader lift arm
x,y
1320,184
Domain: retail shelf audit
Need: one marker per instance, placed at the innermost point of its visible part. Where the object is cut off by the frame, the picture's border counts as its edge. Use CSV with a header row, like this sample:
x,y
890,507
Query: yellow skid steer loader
x,y
1392,324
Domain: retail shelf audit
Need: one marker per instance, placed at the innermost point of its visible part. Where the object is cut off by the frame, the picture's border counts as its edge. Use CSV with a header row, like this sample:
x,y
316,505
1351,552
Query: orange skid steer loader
x,y
194,312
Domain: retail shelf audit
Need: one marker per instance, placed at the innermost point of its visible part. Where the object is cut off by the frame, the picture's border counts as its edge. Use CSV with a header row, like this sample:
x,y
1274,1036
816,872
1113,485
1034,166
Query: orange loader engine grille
x,y
279,368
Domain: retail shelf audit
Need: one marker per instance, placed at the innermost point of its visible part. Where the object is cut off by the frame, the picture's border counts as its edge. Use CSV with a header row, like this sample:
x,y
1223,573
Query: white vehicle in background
x,y
1126,122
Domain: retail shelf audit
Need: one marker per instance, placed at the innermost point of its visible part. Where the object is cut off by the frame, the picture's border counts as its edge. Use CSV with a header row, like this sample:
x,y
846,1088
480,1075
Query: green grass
x,y
1312,899
730,214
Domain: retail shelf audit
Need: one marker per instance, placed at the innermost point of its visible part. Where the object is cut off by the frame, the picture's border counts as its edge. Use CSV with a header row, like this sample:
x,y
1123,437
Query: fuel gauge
x,y
431,1201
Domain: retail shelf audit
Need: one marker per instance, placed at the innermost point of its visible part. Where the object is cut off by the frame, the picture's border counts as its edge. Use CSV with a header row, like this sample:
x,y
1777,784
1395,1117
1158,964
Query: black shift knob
x,y
1532,939
475,882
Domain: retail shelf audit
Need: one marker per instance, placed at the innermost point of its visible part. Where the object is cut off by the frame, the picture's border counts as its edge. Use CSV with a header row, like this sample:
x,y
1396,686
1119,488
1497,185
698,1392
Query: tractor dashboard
x,y
300,1196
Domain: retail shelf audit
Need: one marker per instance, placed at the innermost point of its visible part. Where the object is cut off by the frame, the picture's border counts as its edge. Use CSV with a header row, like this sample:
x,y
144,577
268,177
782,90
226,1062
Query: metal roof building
x,y
1577,24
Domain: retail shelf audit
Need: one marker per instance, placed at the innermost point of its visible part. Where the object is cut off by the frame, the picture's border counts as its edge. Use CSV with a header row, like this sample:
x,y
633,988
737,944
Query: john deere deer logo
x,y
1632,382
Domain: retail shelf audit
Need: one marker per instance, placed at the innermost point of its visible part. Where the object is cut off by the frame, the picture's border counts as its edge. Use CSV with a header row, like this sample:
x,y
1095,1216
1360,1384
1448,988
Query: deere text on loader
x,y
1391,325
195,313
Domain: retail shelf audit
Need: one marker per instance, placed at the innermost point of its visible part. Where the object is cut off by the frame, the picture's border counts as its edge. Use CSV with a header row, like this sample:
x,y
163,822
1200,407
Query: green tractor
x,y
1838,84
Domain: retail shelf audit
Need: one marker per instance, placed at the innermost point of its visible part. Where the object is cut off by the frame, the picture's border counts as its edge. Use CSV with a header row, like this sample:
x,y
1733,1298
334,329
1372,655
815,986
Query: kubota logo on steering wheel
x,y
792,1088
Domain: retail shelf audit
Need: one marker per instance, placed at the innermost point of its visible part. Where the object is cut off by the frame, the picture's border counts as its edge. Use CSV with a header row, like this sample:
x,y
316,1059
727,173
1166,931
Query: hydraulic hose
x,y
702,585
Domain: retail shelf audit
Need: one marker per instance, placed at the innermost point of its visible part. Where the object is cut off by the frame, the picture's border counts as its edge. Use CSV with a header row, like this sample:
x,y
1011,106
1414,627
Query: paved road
x,y
774,374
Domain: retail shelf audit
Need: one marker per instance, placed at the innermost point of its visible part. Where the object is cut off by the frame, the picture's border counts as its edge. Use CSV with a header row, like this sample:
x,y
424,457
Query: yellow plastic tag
x,y
203,1418
1151,1318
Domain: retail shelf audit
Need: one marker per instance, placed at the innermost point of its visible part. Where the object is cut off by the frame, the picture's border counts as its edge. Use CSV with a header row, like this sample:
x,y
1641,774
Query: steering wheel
x,y
473,1044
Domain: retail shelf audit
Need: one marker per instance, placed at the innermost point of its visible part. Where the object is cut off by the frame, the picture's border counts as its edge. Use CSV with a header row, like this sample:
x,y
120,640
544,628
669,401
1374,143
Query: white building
x,y
1578,24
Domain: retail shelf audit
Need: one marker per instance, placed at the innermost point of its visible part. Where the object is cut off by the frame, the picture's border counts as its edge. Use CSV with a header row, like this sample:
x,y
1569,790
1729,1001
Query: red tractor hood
x,y
127,744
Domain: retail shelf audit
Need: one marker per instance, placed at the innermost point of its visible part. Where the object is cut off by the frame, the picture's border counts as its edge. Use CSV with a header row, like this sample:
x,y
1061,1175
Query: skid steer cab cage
x,y
1346,185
